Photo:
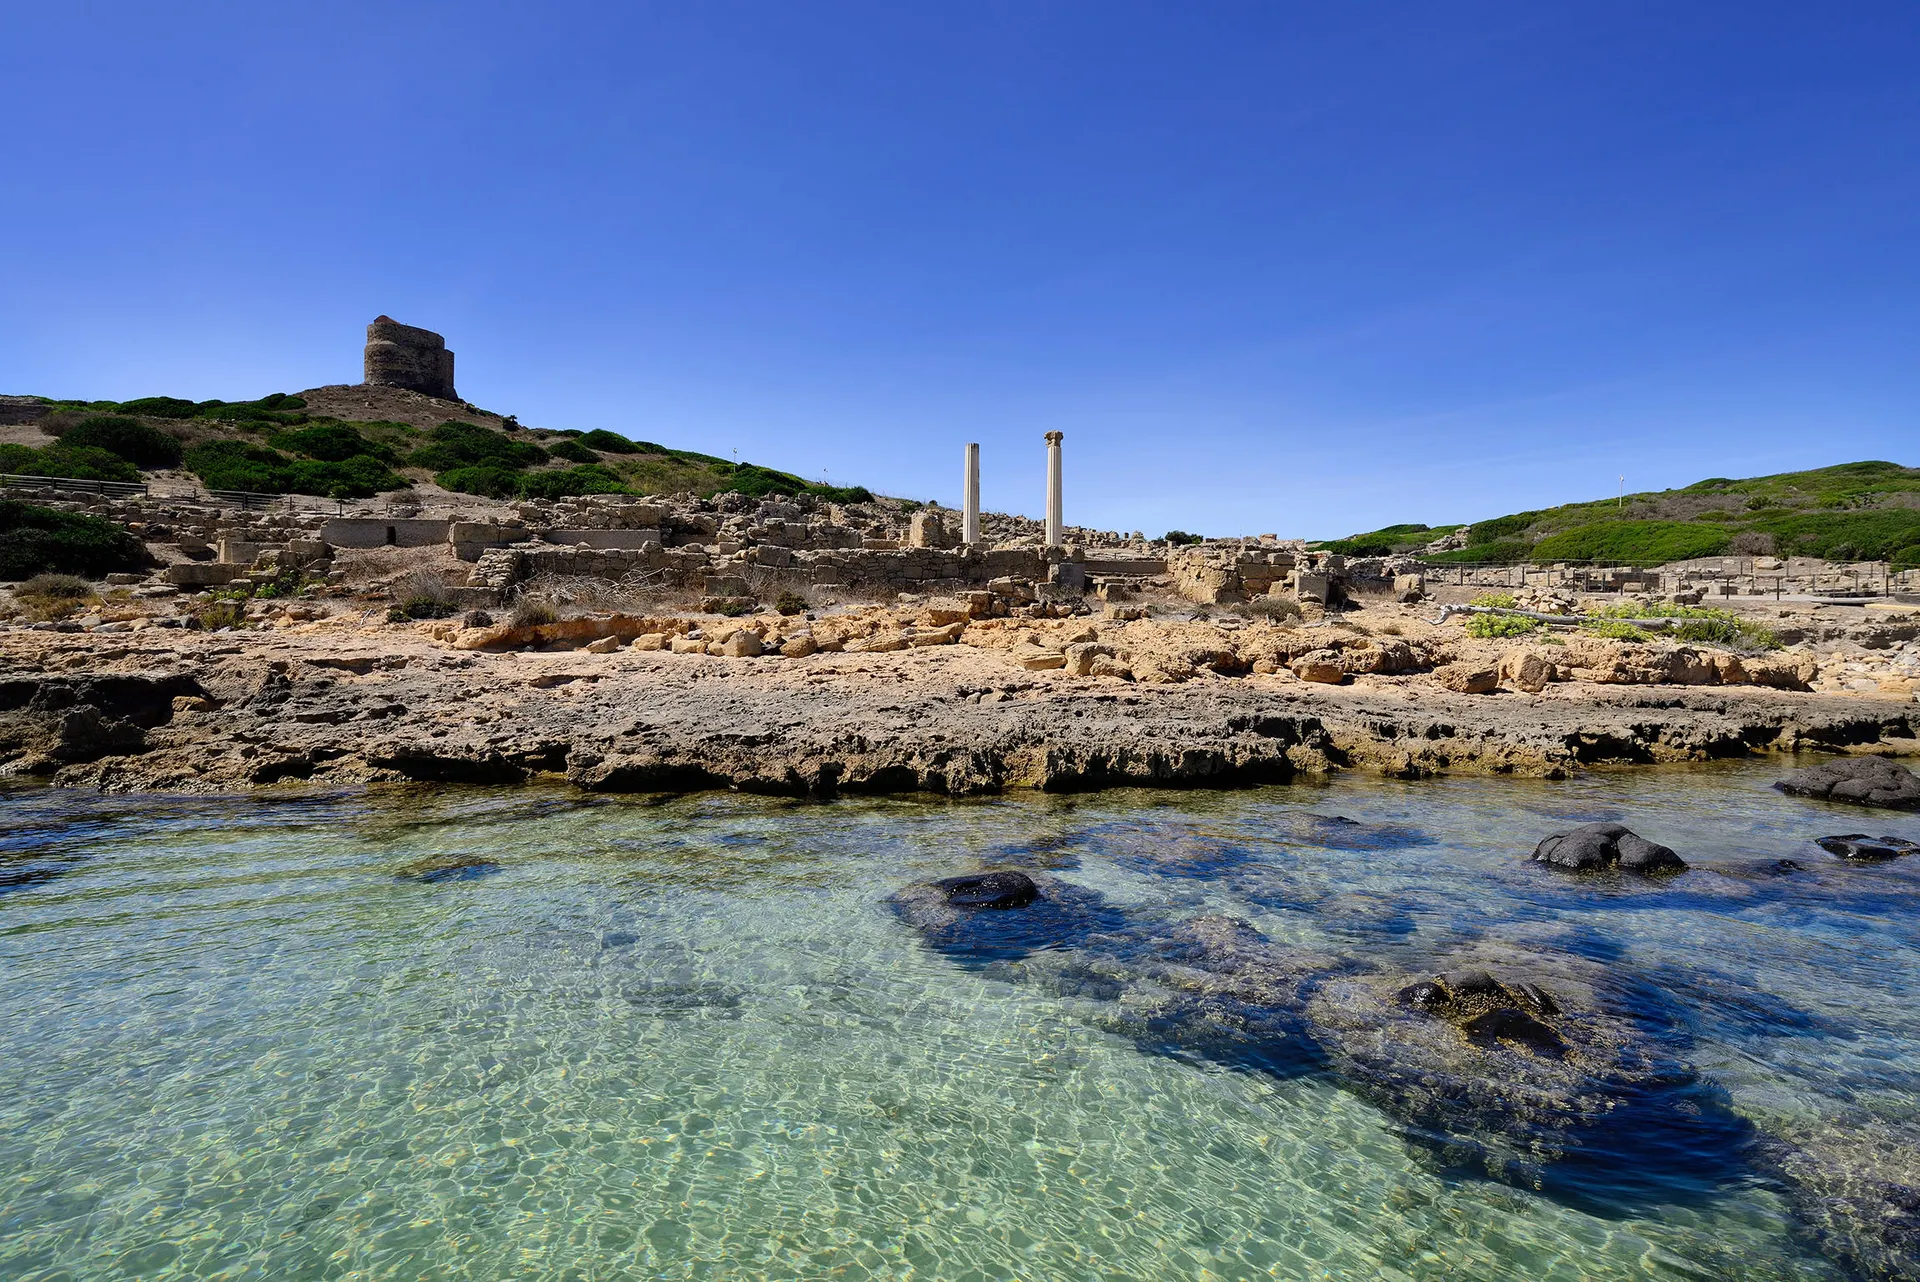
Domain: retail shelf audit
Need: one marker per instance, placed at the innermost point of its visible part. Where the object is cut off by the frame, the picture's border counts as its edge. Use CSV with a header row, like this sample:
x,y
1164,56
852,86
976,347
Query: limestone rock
x,y
1864,781
1467,678
1526,669
744,644
799,646
605,645
687,645
1080,658
650,641
1322,666
1037,658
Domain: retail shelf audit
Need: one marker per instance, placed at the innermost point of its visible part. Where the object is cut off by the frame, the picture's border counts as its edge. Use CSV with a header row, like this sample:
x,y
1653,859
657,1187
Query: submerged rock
x,y
1854,1182
1864,781
1002,915
1859,846
439,868
1592,847
1539,1069
1002,889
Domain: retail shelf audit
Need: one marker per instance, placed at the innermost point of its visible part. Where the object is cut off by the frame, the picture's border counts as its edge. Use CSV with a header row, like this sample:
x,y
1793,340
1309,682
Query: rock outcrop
x,y
1592,847
1864,781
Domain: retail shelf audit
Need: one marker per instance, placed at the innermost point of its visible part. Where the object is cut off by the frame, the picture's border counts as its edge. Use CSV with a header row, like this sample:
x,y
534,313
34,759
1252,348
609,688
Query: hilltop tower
x,y
403,356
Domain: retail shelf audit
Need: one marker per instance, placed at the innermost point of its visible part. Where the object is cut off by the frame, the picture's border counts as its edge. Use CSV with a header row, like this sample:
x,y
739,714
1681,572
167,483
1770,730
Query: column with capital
x,y
1055,524
970,497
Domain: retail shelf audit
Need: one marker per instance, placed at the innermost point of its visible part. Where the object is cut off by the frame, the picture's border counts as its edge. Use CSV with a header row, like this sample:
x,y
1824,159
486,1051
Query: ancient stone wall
x,y
405,356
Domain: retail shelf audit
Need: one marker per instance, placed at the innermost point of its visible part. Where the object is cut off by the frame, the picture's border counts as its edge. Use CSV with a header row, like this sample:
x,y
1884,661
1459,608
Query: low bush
x,y
1691,623
608,442
330,443
573,452
237,465
1181,539
454,444
129,438
791,603
1633,542
161,407
594,478
488,480
1490,627
36,540
222,612
529,613
61,460
49,597
1496,601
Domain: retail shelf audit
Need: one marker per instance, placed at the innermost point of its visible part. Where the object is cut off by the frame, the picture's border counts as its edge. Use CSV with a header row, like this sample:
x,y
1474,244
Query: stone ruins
x,y
405,356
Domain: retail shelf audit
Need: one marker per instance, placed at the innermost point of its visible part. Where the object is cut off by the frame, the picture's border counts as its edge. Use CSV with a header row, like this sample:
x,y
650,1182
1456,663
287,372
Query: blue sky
x,y
1302,269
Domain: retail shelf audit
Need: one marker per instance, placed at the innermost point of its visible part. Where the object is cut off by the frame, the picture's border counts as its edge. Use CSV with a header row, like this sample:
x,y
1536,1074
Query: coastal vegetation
x,y
279,444
38,540
1865,511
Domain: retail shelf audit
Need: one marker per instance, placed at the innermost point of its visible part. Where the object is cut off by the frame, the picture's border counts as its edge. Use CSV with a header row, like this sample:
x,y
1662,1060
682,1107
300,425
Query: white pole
x,y
970,497
1055,525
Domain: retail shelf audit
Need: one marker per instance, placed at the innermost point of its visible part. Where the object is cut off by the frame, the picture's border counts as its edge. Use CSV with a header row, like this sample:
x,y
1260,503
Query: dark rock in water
x,y
1002,889
1338,832
619,939
1004,915
1510,1025
1854,1182
1782,866
1426,995
1857,845
1570,1080
1592,847
1864,781
442,868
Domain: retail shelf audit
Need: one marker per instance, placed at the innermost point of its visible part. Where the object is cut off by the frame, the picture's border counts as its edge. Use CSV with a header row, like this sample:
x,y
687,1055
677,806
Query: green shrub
x,y
593,478
1693,623
1492,626
573,452
1633,542
608,442
132,440
1618,629
65,587
791,603
1852,536
330,443
236,465
36,540
161,407
222,612
1502,552
1496,601
60,460
492,481
1501,529
455,444
1181,539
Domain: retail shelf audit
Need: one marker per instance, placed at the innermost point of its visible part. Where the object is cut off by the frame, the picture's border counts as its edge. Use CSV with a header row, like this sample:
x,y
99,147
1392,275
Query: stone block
x,y
1322,666
1468,678
687,645
1311,585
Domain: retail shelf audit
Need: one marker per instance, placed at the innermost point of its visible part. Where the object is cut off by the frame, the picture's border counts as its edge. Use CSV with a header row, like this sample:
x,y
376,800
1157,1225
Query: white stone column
x,y
1055,525
970,498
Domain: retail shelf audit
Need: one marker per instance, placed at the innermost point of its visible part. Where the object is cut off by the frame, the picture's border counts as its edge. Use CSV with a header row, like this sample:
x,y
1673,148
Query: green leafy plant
x,y
608,442
791,603
1494,626
128,438
36,539
1181,539
221,613
573,452
1496,601
68,462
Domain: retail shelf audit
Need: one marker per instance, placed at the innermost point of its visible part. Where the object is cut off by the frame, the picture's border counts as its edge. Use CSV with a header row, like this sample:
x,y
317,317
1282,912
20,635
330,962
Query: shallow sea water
x,y
687,1038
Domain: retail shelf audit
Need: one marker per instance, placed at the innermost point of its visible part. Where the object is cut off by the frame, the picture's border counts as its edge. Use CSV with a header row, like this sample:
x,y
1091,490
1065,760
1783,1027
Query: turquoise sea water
x,y
688,1039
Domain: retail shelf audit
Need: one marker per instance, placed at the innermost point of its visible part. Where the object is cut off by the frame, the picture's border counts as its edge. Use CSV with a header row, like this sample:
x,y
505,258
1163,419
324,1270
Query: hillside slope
x,y
1868,511
354,441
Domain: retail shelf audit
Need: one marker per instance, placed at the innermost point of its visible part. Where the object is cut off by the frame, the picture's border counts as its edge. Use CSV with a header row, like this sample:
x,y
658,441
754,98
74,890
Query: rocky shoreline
x,y
350,701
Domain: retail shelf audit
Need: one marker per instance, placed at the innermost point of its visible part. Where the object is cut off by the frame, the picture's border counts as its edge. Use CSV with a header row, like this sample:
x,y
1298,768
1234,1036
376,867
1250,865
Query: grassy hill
x,y
1851,512
357,441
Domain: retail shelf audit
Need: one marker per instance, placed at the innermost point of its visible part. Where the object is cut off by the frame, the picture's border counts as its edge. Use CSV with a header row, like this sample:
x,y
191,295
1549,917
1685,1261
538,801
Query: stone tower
x,y
416,359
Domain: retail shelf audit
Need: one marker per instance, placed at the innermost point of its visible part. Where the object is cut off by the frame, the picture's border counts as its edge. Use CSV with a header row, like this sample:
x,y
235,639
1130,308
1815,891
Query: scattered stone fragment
x,y
1007,888
1467,678
1322,666
1864,781
1592,847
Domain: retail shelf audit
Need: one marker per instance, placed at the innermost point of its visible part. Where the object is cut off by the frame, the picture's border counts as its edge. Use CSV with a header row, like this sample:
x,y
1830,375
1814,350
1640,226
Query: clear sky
x,y
1303,269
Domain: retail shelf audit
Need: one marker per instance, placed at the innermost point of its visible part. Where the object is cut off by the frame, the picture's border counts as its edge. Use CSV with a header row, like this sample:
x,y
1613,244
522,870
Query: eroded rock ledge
x,y
195,712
